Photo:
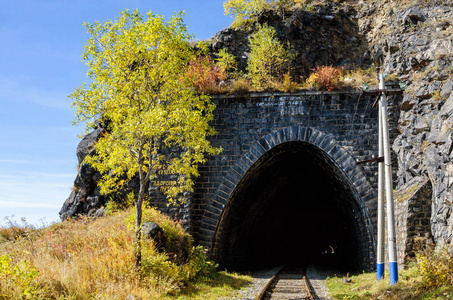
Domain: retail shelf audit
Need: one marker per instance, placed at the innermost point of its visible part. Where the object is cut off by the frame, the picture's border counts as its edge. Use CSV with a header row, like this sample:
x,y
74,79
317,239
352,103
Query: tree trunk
x,y
138,229
143,178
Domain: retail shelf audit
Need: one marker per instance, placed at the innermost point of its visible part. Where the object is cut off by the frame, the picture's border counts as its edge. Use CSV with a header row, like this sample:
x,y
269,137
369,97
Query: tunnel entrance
x,y
293,205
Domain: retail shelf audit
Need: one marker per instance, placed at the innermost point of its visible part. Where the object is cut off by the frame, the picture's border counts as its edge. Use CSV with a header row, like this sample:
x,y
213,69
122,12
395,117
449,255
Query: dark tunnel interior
x,y
292,206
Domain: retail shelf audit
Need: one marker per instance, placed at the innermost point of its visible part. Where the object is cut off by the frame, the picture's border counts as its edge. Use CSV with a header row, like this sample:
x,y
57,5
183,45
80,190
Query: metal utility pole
x,y
393,264
380,259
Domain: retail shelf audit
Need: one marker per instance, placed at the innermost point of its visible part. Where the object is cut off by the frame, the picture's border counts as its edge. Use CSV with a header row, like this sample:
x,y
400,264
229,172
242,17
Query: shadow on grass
x,y
220,284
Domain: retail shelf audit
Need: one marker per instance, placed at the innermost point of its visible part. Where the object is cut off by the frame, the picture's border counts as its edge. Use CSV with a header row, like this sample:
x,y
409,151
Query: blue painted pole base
x,y
393,270
380,267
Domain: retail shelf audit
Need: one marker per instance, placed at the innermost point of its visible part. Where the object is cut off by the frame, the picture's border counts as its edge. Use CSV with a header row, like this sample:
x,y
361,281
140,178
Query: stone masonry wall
x,y
348,118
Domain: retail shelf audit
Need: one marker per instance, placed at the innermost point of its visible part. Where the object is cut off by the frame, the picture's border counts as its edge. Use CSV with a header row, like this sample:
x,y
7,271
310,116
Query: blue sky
x,y
41,42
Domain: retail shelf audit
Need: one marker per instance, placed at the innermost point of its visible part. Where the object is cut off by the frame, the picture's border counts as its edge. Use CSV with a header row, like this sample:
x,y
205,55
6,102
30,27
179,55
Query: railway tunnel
x,y
294,205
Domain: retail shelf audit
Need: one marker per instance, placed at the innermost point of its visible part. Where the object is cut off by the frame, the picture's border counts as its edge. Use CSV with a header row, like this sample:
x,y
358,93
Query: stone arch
x,y
364,193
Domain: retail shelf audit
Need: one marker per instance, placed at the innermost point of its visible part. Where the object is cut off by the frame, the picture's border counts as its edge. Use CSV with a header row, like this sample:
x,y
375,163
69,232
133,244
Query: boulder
x,y
154,232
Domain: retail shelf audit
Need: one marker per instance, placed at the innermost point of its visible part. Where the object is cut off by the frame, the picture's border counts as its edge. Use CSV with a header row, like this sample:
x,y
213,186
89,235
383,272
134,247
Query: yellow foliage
x,y
436,268
288,84
240,86
19,279
139,93
269,59
136,65
226,61
243,10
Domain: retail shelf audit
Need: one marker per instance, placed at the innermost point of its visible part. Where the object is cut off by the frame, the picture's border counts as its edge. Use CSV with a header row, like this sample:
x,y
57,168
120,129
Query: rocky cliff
x,y
326,34
414,41
85,198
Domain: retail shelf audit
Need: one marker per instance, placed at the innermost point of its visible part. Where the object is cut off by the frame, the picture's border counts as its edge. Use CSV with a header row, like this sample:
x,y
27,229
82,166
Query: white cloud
x,y
34,195
35,162
40,176
17,161
20,88
6,204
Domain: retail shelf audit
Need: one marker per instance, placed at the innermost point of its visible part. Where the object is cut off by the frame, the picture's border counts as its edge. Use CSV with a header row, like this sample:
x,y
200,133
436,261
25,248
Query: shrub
x,y
226,61
269,59
245,11
325,78
165,266
435,267
288,84
115,204
172,229
199,265
158,268
201,48
93,259
18,280
204,75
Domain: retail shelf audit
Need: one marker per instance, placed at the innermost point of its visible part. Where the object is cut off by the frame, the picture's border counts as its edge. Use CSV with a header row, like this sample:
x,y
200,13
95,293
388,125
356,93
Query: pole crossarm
x,y
386,92
381,92
378,159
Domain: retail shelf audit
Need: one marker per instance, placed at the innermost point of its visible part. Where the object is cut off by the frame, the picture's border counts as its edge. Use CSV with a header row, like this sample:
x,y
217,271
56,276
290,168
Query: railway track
x,y
290,282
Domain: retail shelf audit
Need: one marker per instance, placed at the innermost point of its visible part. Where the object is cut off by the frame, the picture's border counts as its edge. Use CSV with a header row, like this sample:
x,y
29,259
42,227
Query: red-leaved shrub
x,y
325,78
205,75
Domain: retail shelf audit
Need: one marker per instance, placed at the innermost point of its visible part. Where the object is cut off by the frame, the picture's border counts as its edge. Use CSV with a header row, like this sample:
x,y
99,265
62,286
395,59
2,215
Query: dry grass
x,y
239,86
354,78
323,78
93,259
82,259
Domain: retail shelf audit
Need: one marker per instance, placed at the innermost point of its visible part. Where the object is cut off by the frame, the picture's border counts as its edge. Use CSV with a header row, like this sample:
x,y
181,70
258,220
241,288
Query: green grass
x,y
221,286
411,285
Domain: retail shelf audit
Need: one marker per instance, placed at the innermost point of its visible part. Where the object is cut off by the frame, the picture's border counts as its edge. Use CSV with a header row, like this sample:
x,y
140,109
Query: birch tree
x,y
137,89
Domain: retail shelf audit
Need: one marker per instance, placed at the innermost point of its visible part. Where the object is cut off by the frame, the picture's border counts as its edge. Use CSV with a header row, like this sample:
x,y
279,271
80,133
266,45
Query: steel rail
x,y
268,284
308,287
265,291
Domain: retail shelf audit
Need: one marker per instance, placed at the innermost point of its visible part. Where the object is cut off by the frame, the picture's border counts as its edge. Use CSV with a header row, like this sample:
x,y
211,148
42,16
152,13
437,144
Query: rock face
x,y
328,34
414,41
85,197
